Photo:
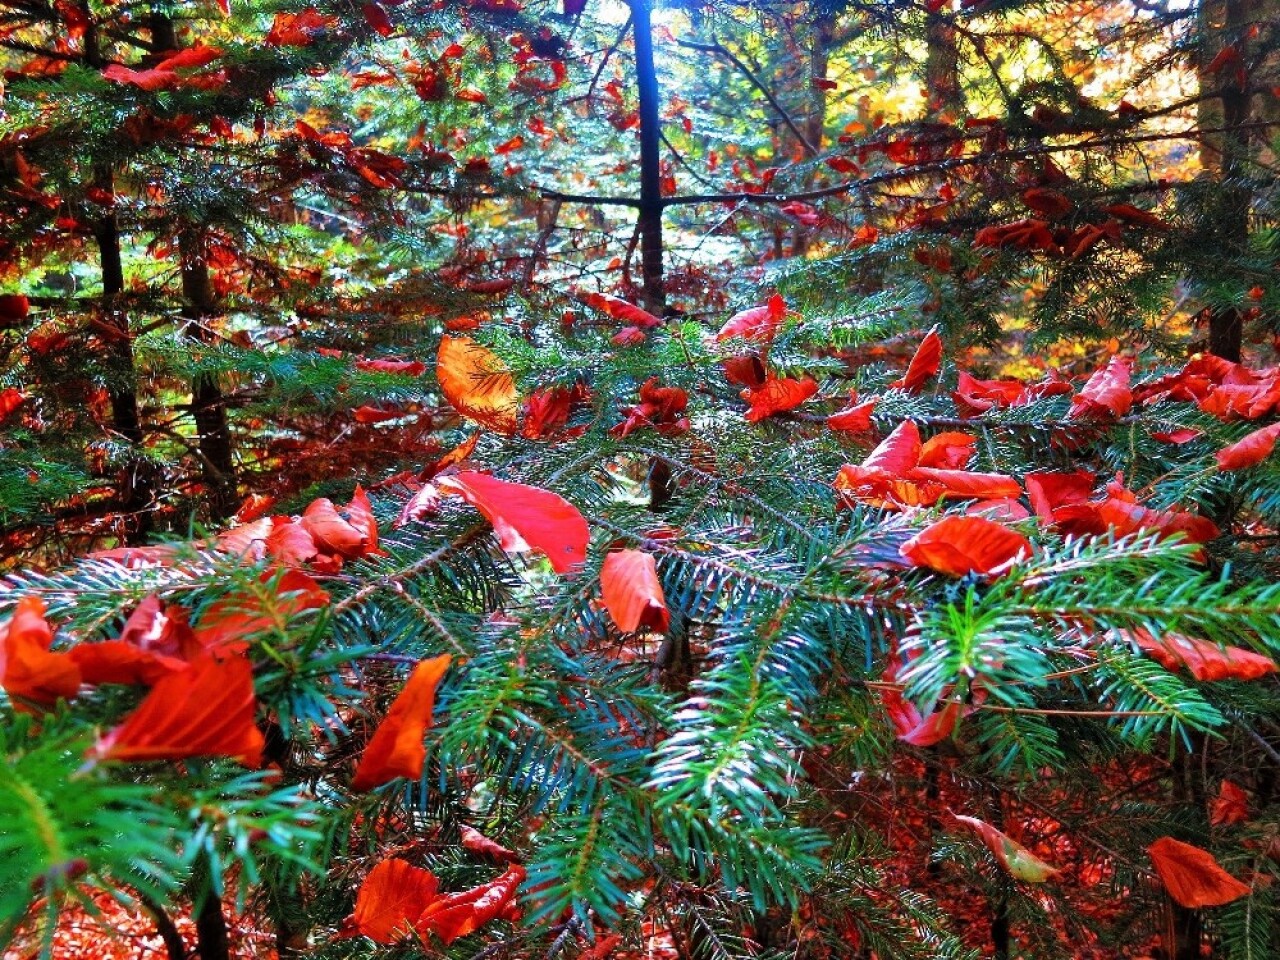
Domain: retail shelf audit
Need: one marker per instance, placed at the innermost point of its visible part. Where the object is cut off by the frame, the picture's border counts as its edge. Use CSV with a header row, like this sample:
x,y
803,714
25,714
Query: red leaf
x,y
396,749
206,710
161,629
115,661
1049,490
898,452
1192,876
632,593
190,58
14,308
377,19
476,842
925,364
1015,859
525,518
459,914
1130,214
1230,806
961,545
1249,450
1049,203
390,899
299,29
547,410
28,671
368,414
1106,394
144,79
1202,659
1178,436
227,624
965,483
911,726
10,400
477,383
409,368
776,395
332,532
758,324
855,418
659,407
745,371
948,451
619,309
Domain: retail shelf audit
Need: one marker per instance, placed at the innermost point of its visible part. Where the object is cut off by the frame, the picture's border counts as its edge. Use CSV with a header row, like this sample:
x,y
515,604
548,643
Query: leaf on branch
x,y
206,710
632,593
1202,659
477,383
924,364
1230,806
1249,450
620,309
1014,859
28,670
777,395
756,324
962,545
525,517
1106,394
396,748
1192,876
473,841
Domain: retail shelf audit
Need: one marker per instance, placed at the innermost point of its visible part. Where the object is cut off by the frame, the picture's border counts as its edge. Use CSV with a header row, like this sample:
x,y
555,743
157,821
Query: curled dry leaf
x,y
477,383
1192,876
525,517
632,593
396,748
1014,859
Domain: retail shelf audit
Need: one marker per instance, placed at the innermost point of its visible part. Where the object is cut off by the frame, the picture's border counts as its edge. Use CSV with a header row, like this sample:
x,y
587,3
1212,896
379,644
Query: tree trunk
x,y
650,160
138,478
213,435
815,123
1225,23
942,68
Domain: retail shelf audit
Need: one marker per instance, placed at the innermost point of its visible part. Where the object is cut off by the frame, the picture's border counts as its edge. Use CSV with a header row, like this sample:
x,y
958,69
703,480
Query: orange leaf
x,y
477,383
948,451
332,532
963,545
525,518
1249,450
925,363
396,749
28,670
390,899
1015,859
299,29
1192,876
898,452
206,710
1202,659
226,624
776,395
632,593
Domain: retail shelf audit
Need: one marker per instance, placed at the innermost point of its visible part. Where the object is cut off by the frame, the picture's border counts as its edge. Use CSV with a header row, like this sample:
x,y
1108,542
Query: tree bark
x,y
1225,23
213,434
138,479
942,68
651,250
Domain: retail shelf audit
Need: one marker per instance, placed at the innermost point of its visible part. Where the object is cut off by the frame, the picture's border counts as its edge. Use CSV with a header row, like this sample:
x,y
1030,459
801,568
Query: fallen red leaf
x,y
477,383
1230,806
1202,659
632,592
396,748
924,364
962,545
206,710
1192,876
1249,450
28,670
777,395
525,518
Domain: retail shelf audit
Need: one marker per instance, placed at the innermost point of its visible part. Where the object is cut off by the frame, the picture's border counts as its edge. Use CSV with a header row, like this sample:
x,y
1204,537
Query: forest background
x,y
499,479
